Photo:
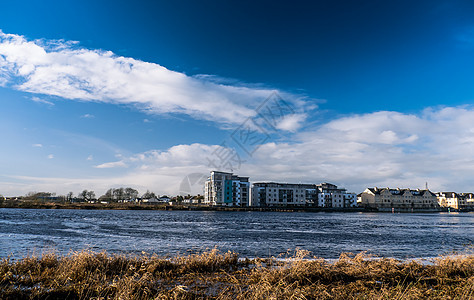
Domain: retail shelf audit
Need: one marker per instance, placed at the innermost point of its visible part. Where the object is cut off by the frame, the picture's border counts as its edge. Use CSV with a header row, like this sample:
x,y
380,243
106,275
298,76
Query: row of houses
x,y
386,199
406,199
228,189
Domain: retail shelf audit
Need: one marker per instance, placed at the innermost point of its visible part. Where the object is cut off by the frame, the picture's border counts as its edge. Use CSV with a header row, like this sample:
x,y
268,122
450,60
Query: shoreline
x,y
187,207
218,275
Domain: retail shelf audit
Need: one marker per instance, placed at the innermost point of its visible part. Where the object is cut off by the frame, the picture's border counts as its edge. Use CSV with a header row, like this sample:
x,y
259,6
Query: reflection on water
x,y
326,235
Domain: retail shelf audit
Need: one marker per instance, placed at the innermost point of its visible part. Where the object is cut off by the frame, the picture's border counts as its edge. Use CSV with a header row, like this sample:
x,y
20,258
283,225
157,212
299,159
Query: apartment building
x,y
283,194
293,194
461,201
227,189
329,195
401,199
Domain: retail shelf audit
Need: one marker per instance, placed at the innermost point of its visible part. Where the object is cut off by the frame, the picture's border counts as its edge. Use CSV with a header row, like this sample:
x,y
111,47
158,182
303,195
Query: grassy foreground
x,y
216,275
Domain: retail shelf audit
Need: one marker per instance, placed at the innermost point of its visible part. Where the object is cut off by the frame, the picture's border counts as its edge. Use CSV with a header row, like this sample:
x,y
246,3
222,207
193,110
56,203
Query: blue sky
x,y
100,94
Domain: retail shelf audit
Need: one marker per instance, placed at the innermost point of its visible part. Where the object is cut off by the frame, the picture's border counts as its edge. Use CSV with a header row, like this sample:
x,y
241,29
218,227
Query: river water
x,y
326,235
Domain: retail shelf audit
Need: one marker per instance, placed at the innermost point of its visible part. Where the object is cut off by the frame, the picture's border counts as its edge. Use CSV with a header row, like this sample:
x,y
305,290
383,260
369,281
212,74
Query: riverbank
x,y
143,206
191,207
215,275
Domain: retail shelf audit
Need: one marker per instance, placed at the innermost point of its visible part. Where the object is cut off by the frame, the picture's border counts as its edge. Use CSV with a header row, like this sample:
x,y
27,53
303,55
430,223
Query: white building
x,y
226,189
329,195
462,201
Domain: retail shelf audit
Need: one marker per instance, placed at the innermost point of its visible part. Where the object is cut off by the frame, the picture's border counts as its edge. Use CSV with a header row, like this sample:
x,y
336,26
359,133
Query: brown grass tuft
x,y
216,275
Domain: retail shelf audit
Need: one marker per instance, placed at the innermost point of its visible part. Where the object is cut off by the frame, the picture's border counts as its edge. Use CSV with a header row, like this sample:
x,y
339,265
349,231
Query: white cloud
x,y
38,145
60,68
115,164
180,155
291,122
90,157
51,156
87,116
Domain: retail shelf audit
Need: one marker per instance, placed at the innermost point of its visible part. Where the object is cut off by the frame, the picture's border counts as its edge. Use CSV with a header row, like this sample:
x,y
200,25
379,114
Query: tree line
x,y
111,195
121,194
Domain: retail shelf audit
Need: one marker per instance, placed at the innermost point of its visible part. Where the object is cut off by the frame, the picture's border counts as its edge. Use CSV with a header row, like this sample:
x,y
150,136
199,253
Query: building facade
x,y
227,189
461,201
282,194
293,194
329,195
398,199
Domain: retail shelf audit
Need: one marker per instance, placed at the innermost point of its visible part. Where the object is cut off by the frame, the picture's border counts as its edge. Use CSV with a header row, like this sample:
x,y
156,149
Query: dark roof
x,y
457,195
377,191
374,190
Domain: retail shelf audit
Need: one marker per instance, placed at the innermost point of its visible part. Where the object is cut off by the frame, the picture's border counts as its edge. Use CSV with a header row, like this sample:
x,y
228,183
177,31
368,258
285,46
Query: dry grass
x,y
216,275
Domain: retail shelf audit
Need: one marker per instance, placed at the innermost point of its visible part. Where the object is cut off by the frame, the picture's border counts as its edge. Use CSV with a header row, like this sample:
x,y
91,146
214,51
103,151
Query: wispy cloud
x,y
51,156
87,116
42,101
94,143
90,157
38,145
115,164
63,69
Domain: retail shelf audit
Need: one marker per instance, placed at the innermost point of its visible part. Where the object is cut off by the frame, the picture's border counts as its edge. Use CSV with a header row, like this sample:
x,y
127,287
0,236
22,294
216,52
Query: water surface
x,y
27,231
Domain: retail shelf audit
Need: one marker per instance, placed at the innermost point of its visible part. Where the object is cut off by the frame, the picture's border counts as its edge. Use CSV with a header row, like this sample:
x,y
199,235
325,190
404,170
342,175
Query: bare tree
x,y
131,193
149,195
119,194
83,195
108,196
69,196
90,195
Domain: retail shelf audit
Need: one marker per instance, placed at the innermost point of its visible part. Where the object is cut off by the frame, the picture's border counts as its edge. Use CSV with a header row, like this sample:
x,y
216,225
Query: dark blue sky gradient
x,y
358,55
